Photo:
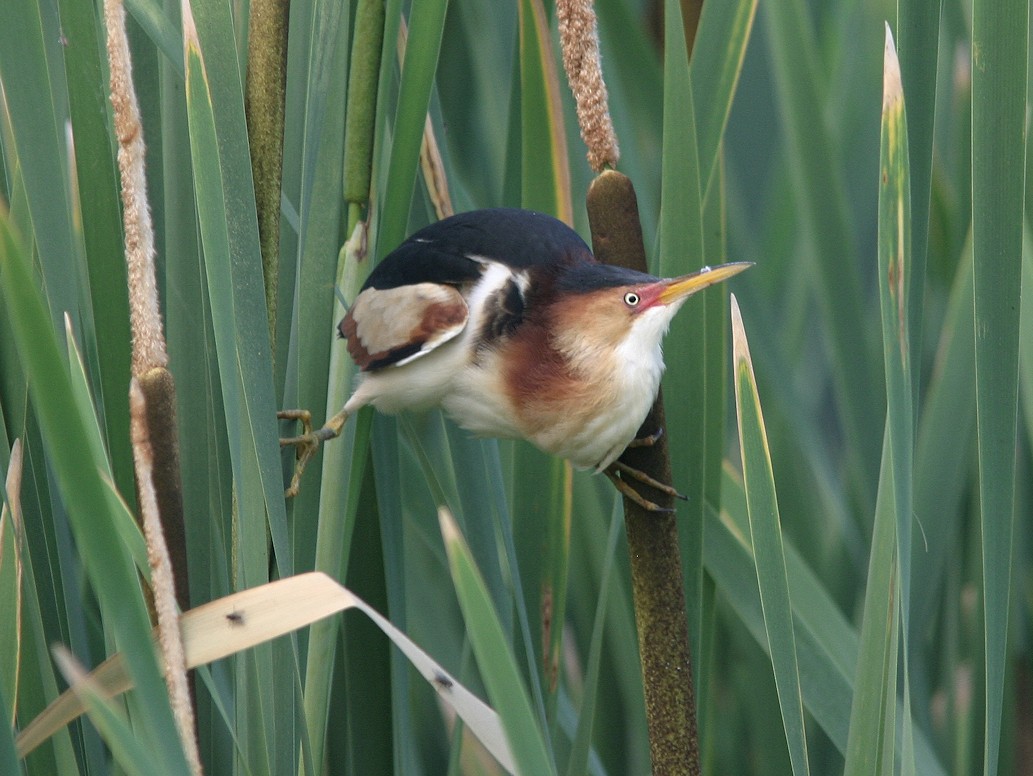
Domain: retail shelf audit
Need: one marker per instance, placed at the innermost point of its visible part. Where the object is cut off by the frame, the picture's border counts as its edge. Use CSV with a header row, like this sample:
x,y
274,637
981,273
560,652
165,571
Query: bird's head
x,y
599,307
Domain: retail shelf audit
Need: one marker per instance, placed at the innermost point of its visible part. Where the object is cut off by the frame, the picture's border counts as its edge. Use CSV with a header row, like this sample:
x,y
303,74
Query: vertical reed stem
x,y
656,575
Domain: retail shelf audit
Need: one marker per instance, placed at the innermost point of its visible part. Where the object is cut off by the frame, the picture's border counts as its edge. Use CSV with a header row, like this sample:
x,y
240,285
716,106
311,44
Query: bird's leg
x,y
612,470
308,441
647,441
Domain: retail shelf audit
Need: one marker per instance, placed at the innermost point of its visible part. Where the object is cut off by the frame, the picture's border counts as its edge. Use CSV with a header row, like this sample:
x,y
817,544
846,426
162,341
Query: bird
x,y
504,319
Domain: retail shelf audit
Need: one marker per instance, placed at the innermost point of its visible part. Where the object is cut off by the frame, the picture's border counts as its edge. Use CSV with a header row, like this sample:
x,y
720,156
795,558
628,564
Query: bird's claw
x,y
306,444
644,478
626,489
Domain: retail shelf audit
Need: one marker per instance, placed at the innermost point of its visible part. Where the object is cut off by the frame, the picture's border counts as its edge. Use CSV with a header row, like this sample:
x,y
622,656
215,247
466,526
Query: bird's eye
x,y
631,299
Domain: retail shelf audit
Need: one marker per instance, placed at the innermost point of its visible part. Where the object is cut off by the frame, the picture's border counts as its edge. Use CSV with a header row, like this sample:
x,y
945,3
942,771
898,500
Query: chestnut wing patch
x,y
393,326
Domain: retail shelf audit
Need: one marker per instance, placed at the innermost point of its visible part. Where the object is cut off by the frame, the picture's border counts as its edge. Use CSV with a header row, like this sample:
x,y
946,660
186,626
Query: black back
x,y
518,238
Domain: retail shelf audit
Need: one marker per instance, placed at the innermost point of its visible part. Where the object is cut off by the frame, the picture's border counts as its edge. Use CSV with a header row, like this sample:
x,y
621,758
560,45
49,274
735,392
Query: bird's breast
x,y
610,407
583,410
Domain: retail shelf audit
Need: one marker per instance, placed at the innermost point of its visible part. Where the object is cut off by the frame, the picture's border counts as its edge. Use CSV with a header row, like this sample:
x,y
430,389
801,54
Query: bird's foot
x,y
647,441
307,442
625,488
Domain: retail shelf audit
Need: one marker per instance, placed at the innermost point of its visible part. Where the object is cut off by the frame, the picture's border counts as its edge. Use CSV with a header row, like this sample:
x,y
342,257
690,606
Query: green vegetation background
x,y
908,579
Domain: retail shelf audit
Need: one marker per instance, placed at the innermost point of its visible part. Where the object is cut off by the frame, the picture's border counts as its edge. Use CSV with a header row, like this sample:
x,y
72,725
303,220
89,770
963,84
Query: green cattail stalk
x,y
656,574
264,109
363,79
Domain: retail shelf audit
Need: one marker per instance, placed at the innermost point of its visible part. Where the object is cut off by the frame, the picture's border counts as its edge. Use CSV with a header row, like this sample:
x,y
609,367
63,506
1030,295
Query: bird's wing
x,y
393,326
451,251
412,301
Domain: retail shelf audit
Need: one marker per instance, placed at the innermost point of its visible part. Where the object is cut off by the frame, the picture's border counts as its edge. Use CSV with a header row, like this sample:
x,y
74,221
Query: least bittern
x,y
504,319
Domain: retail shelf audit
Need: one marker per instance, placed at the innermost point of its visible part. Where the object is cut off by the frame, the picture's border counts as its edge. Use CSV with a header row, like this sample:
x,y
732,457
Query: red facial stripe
x,y
649,295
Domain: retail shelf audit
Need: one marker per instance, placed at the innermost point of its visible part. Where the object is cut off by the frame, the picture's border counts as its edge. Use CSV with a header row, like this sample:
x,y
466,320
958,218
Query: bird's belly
x,y
418,385
479,403
592,418
589,424
595,438
587,439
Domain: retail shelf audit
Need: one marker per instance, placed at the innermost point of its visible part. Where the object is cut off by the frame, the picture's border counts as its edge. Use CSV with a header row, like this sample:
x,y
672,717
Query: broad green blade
x,y
918,40
97,195
545,167
717,56
33,95
128,530
870,745
159,29
999,71
314,269
832,265
894,282
506,690
1026,343
827,644
717,358
943,453
8,757
233,268
687,384
766,538
619,724
422,49
398,492
229,236
895,296
581,746
314,265
12,544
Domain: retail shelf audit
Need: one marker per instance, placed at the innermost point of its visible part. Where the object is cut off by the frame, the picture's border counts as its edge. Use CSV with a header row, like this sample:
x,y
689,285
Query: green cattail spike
x,y
363,79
